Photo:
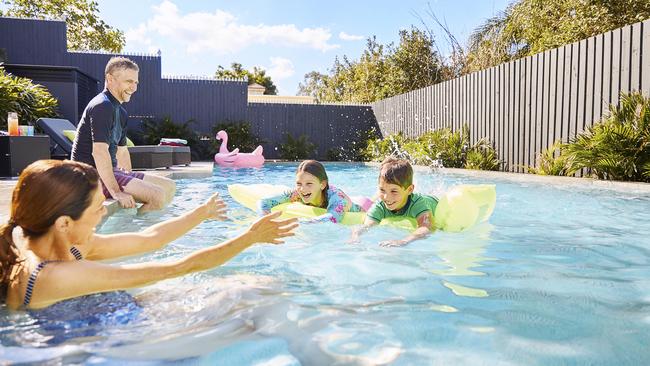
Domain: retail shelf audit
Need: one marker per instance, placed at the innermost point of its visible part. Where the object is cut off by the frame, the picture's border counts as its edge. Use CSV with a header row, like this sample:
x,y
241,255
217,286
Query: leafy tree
x,y
86,31
528,27
256,76
30,101
414,63
313,85
380,72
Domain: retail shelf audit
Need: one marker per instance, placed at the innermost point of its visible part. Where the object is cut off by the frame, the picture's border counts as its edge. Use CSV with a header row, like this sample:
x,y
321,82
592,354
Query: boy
x,y
397,199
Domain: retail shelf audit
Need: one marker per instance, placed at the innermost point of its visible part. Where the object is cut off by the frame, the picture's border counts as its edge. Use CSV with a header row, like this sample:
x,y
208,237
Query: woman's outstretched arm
x,y
65,280
153,237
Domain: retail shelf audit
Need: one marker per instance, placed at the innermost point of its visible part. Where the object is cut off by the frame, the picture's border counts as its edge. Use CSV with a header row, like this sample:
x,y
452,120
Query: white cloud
x,y
350,37
137,39
281,68
222,32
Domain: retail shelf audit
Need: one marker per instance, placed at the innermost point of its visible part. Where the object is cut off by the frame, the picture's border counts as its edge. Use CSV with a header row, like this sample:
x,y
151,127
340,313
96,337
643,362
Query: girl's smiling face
x,y
309,188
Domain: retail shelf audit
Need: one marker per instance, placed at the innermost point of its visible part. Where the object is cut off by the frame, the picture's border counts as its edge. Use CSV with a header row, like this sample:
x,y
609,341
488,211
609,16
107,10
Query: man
x,y
101,142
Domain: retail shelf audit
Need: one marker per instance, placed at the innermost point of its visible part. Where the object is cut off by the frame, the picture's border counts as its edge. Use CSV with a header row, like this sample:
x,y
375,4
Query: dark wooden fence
x,y
330,127
525,105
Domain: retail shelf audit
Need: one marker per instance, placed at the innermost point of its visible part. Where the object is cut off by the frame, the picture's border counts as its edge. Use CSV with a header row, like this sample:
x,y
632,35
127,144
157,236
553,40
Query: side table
x,y
17,152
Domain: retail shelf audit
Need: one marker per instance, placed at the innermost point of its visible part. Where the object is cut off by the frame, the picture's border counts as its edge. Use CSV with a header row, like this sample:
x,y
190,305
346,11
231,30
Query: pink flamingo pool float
x,y
235,159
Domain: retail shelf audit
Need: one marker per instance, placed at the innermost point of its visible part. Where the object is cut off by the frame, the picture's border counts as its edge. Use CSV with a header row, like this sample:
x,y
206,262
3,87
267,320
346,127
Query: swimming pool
x,y
560,275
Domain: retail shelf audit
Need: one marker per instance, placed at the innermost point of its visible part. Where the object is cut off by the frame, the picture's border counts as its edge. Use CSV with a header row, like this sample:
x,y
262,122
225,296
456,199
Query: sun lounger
x,y
142,157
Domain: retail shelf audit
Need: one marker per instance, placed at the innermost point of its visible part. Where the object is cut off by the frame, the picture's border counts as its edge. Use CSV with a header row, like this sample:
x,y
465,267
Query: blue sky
x,y
287,38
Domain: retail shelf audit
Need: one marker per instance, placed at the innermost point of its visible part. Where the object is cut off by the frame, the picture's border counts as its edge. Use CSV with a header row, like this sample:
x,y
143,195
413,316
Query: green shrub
x,y
30,101
154,130
377,149
239,135
203,148
617,148
551,162
297,149
446,147
482,156
440,147
434,147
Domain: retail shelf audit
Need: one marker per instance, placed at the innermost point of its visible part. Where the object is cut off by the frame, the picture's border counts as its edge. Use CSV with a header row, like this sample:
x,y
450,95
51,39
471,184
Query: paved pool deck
x,y
200,169
204,169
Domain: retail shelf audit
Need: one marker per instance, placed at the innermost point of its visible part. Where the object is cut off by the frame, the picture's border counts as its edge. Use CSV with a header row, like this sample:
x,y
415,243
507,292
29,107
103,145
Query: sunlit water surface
x,y
560,275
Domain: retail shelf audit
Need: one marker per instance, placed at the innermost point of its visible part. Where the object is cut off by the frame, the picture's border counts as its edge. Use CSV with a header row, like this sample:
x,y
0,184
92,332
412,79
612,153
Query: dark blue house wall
x,y
33,42
207,102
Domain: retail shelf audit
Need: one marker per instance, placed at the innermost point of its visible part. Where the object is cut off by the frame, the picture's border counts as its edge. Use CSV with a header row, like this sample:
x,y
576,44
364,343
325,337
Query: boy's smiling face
x,y
393,195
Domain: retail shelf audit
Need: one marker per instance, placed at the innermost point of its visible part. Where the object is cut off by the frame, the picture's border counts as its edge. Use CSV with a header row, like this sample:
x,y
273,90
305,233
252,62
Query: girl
x,y
313,189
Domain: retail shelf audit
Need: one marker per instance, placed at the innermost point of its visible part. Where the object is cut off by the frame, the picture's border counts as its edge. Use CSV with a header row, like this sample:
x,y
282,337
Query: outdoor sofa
x,y
61,133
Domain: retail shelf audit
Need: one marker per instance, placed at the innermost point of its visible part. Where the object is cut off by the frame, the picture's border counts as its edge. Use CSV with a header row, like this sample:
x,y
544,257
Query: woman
x,y
57,204
313,189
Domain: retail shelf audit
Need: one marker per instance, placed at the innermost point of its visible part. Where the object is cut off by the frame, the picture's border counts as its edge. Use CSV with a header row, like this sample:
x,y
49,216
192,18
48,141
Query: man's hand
x,y
124,199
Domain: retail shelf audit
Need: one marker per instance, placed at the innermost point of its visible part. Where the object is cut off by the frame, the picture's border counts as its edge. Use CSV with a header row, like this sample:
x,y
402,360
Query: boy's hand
x,y
354,238
393,243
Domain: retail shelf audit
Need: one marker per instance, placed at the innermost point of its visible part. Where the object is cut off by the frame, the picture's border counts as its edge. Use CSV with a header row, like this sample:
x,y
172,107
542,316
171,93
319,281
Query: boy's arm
x,y
356,232
425,225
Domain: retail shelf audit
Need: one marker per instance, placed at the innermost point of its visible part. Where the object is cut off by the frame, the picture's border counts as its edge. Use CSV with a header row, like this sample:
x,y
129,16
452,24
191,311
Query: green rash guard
x,y
414,207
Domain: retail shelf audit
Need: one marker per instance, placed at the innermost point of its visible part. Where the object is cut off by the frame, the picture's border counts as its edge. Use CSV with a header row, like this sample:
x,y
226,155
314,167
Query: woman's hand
x,y
214,208
268,230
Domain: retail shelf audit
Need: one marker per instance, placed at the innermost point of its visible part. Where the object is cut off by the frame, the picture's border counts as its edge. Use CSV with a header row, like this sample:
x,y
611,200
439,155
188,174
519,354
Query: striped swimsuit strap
x,y
76,253
32,277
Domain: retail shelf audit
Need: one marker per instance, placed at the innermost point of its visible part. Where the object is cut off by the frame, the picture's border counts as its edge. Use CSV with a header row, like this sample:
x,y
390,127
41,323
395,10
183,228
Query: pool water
x,y
560,275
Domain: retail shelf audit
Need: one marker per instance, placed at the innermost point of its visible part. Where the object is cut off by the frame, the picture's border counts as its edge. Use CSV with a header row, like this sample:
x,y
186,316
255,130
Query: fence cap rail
x,y
100,52
200,78
59,20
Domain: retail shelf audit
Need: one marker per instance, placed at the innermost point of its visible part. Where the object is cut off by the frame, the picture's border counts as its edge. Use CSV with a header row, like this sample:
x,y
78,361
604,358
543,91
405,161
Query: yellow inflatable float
x,y
461,207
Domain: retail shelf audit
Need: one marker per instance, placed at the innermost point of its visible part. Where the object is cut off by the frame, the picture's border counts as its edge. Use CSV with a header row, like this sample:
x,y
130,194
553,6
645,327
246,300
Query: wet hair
x,y
120,63
46,190
396,171
317,170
